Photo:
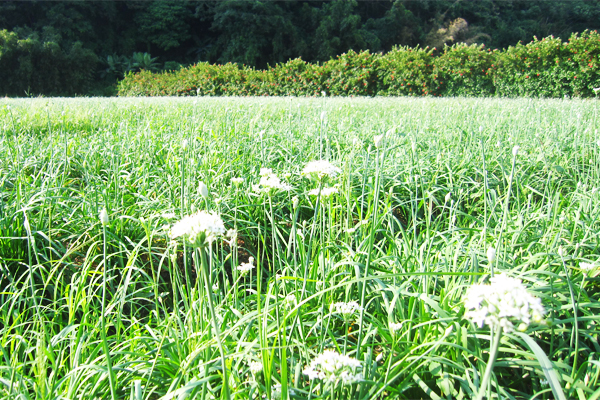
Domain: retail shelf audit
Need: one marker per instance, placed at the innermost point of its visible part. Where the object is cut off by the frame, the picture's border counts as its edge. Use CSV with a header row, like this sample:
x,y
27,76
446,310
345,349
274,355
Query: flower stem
x,y
111,378
496,336
209,293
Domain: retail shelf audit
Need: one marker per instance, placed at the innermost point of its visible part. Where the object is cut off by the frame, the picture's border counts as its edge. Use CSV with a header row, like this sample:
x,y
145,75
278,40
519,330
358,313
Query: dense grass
x,y
405,236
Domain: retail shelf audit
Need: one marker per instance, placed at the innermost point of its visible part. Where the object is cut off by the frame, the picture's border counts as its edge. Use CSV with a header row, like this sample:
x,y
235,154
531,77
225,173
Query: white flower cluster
x,y
199,229
244,268
269,182
237,181
589,270
504,301
347,310
290,301
333,367
325,192
320,169
256,367
276,391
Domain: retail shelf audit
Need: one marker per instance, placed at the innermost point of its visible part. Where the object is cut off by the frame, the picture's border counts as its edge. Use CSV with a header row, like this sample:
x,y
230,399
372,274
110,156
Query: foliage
x,y
406,71
31,66
542,68
361,292
551,68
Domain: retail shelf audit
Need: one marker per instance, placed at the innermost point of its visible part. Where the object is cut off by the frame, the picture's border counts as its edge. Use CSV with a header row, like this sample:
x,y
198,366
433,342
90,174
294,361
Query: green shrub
x,y
463,70
542,68
551,68
405,71
351,74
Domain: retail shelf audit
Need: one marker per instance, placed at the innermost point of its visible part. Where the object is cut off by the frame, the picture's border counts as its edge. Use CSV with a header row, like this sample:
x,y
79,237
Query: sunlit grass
x,y
403,230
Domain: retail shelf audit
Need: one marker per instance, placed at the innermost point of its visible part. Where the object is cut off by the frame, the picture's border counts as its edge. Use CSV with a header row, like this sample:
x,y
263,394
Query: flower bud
x,y
203,190
491,254
515,151
103,217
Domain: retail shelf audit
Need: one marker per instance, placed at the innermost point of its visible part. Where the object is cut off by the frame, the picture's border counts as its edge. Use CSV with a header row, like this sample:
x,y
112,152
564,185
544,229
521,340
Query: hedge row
x,y
541,68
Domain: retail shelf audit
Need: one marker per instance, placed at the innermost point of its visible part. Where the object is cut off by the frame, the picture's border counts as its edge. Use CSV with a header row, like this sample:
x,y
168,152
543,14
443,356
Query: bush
x,y
463,70
542,68
406,72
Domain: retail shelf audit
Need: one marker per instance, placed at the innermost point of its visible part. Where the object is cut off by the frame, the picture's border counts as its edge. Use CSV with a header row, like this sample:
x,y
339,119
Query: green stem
x,y
209,293
111,378
496,336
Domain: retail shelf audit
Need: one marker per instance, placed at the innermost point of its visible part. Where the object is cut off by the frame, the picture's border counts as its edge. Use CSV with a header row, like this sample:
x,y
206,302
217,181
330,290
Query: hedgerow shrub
x,y
463,70
351,74
541,68
31,66
405,71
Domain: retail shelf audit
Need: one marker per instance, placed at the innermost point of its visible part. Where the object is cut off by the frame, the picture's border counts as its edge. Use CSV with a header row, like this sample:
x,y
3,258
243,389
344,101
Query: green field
x,y
412,220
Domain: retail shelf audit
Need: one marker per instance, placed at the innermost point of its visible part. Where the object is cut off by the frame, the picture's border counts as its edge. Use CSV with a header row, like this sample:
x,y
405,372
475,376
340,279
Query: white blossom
x,y
103,216
502,303
347,310
395,326
448,197
491,254
203,189
269,182
321,169
237,181
515,151
199,229
256,367
325,192
378,140
333,367
588,269
290,301
276,391
244,268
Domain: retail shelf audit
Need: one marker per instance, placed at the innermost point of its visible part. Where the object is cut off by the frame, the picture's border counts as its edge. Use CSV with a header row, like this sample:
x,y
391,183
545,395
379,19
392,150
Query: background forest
x,y
83,47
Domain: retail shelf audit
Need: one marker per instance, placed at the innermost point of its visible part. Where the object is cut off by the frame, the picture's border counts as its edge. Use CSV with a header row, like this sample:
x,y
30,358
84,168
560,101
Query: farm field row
x,y
366,248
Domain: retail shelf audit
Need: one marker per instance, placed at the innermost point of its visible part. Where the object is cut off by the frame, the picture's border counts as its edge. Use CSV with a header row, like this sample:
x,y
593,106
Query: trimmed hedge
x,y
541,68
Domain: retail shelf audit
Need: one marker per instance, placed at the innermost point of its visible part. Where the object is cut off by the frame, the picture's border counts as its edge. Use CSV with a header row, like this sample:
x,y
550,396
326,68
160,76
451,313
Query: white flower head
x,y
237,181
333,367
276,391
244,268
491,254
203,189
378,140
347,310
395,326
589,269
103,216
256,367
269,182
325,192
295,202
448,197
199,229
502,303
320,169
515,151
290,301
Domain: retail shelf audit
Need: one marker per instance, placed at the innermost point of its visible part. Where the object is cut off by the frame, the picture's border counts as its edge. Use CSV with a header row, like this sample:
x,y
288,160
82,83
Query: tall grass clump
x,y
299,248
